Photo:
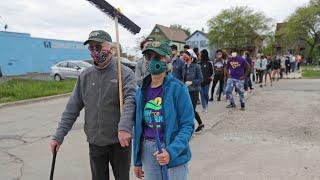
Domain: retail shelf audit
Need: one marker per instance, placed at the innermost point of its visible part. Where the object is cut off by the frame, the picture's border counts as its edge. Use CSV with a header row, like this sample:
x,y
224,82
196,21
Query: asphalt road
x,y
277,137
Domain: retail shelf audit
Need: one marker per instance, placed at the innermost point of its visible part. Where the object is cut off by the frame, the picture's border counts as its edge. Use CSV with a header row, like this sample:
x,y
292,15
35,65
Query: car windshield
x,y
83,64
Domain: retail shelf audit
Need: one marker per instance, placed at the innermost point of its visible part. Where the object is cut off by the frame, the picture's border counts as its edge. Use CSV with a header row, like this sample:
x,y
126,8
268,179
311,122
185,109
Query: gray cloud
x,y
74,19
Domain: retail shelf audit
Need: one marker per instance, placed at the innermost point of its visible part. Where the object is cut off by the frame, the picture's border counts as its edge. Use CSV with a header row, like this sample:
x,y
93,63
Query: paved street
x,y
277,137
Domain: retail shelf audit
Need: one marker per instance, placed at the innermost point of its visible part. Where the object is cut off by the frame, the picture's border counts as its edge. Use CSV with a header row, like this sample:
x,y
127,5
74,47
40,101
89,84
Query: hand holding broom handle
x,y
164,169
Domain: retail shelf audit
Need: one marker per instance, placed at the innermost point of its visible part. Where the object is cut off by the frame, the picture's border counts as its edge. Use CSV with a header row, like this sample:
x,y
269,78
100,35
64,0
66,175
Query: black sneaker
x,y
211,99
199,128
243,107
231,106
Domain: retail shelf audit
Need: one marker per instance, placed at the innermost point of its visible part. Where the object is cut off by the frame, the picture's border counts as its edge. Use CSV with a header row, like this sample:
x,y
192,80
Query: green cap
x,y
99,36
160,47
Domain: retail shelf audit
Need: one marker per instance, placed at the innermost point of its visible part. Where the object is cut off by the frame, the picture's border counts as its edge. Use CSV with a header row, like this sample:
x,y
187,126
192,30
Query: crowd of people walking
x,y
159,103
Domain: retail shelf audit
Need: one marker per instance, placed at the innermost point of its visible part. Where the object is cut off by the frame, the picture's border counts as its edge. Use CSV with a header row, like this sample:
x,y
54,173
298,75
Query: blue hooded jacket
x,y
179,120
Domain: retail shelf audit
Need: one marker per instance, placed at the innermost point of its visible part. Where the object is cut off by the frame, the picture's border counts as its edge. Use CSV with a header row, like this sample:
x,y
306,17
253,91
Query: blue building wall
x,y
20,53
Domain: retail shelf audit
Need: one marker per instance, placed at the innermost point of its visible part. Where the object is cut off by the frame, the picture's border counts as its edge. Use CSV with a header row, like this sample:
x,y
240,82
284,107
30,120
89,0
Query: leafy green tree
x,y
269,48
238,27
304,25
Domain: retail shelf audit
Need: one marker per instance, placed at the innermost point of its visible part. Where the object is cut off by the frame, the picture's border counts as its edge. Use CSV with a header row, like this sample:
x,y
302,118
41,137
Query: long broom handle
x,y
164,169
53,163
119,61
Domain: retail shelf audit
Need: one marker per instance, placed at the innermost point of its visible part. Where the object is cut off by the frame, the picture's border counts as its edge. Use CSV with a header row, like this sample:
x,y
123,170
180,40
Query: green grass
x,y
311,73
310,67
20,89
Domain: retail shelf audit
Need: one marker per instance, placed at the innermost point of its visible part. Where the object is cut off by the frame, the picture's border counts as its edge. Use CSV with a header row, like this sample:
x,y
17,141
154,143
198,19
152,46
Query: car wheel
x,y
57,77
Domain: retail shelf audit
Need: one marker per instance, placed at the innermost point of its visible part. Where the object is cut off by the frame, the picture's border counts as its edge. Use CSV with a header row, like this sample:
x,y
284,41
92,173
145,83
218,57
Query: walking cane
x,y
164,169
53,163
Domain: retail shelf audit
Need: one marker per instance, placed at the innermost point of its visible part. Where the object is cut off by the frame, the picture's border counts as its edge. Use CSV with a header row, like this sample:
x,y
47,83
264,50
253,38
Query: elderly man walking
x,y
108,130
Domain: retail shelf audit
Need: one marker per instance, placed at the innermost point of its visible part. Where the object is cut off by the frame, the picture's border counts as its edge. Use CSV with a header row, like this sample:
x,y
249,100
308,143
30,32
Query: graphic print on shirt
x,y
235,64
153,112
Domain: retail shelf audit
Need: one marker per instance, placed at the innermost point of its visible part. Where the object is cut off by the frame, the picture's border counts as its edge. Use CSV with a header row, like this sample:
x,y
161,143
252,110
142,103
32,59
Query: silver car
x,y
68,69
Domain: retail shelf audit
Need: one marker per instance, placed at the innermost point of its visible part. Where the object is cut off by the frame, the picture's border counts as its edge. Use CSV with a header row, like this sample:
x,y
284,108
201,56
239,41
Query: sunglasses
x,y
95,48
150,54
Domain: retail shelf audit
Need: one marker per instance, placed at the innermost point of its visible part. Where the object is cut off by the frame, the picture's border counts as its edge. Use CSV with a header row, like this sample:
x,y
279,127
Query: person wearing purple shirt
x,y
237,69
153,113
164,121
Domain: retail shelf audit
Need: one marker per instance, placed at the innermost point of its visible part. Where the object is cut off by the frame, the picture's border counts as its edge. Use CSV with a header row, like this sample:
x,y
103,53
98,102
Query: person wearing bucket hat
x,y
164,120
141,69
108,130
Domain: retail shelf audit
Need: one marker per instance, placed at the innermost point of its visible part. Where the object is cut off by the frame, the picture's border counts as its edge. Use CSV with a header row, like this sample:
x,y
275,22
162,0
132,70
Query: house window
x,y
203,43
192,43
156,30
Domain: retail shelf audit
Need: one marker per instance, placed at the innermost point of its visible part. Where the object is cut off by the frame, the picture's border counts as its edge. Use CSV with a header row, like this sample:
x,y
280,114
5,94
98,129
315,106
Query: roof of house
x,y
173,34
280,26
197,31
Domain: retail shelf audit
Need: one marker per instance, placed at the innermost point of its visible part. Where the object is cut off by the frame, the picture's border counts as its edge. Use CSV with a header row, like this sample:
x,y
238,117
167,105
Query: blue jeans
x,y
204,92
248,83
293,66
239,85
224,87
151,167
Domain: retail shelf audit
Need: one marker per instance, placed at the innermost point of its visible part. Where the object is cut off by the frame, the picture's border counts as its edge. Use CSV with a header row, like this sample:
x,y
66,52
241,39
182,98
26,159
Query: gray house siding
x,y
198,39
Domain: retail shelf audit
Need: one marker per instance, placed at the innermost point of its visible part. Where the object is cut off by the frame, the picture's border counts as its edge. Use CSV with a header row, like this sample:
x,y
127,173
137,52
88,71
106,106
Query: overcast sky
x,y
74,19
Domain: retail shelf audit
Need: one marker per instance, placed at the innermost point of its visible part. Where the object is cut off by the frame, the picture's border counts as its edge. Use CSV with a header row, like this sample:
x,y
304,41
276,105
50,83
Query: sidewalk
x,y
294,75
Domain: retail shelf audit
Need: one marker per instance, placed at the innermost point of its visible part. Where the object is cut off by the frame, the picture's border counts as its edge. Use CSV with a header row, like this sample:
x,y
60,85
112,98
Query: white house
x,y
199,39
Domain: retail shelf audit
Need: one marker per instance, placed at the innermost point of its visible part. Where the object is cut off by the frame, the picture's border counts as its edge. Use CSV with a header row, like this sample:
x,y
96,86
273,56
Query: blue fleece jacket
x,y
179,121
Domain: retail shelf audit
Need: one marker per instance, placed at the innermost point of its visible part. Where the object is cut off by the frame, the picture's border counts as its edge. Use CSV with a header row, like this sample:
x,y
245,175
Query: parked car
x,y
68,69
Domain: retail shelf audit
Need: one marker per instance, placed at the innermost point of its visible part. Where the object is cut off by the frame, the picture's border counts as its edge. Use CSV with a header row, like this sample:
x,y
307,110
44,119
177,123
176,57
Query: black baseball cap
x,y
174,47
98,36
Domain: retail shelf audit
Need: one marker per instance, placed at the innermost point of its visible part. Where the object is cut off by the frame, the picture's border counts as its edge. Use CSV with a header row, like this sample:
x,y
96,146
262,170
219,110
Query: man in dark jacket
x,y
108,130
192,77
207,72
219,71
247,81
177,63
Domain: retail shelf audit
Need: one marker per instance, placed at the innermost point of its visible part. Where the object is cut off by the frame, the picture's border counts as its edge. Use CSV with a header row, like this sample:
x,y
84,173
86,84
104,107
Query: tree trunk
x,y
311,50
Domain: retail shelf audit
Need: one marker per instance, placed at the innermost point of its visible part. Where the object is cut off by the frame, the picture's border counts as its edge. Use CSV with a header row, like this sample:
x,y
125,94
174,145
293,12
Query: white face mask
x,y
234,54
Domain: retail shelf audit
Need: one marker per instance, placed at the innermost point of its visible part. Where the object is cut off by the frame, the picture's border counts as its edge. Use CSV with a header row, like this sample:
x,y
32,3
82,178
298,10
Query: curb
x,y
310,78
34,100
293,78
